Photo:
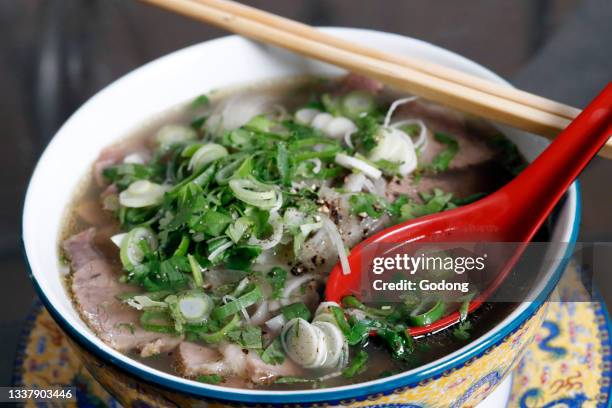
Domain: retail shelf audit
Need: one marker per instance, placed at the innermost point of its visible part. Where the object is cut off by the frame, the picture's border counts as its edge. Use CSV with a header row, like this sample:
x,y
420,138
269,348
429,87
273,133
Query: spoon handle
x,y
542,184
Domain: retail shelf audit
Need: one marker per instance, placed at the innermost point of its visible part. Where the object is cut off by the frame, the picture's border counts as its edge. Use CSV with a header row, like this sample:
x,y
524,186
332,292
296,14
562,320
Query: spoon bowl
x,y
512,214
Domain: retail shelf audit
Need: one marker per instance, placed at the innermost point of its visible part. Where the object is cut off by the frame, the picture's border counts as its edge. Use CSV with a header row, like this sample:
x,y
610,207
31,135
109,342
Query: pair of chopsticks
x,y
441,84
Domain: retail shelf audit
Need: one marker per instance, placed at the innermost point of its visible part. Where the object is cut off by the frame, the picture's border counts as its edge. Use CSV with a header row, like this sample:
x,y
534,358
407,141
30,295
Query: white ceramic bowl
x,y
179,77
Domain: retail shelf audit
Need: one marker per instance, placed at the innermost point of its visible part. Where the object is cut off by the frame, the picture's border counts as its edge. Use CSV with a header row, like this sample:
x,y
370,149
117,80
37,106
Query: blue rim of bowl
x,y
331,396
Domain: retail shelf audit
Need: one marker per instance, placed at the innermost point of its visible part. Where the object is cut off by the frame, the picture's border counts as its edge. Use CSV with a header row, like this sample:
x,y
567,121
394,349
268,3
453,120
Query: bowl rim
x,y
359,390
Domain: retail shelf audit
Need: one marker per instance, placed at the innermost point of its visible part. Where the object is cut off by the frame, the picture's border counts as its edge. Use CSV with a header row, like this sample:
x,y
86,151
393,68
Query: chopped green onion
x,y
233,307
183,246
233,162
142,193
173,134
351,302
205,155
196,270
330,104
356,103
189,150
255,193
189,307
219,336
432,313
131,252
357,366
340,318
157,321
260,123
143,302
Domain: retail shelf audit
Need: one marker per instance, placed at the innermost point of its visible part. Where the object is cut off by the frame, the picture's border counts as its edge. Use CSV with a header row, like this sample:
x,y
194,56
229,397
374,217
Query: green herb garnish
x,y
442,160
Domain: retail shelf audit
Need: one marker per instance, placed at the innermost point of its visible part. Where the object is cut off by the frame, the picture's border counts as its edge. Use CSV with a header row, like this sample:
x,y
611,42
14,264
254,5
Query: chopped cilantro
x,y
210,378
366,203
277,278
442,160
274,353
296,310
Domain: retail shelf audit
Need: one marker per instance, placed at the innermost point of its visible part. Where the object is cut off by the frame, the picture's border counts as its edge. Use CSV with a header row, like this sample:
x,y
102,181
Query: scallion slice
x,y
195,306
142,193
233,307
356,103
433,312
219,336
255,193
157,321
131,252
196,270
205,155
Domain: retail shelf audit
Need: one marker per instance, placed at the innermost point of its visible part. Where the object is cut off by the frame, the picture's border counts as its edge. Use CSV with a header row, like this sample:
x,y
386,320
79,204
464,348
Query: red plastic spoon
x,y
514,213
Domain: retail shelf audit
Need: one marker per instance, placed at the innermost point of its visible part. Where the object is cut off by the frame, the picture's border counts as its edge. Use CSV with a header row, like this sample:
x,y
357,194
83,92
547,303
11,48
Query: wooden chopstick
x,y
427,67
401,77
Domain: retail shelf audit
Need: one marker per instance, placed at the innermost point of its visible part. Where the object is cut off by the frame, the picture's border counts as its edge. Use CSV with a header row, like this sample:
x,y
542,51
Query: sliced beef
x,y
95,285
262,373
193,360
474,148
483,178
356,82
91,212
229,361
80,249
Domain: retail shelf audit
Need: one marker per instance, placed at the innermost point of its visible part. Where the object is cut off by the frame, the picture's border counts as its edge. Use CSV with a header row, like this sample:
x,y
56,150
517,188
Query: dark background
x,y
55,54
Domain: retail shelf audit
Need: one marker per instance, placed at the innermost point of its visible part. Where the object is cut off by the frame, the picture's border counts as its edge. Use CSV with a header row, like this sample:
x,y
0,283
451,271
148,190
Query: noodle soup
x,y
200,244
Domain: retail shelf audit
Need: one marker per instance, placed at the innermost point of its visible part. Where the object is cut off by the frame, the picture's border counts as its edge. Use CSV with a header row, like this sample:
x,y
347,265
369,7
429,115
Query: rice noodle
x,y
369,186
354,182
380,187
357,182
336,239
394,106
276,323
